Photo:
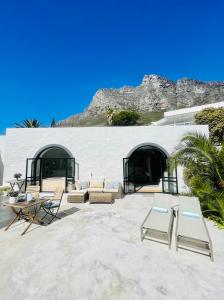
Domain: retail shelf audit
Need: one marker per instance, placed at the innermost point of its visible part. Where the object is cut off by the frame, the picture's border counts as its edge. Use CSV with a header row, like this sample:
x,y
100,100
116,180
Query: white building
x,y
136,156
185,116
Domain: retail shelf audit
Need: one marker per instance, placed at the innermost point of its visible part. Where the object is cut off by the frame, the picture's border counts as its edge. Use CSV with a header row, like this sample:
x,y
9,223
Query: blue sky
x,y
54,55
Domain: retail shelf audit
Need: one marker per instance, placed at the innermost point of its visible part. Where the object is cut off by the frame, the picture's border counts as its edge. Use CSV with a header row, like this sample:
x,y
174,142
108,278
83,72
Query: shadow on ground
x,y
6,215
62,214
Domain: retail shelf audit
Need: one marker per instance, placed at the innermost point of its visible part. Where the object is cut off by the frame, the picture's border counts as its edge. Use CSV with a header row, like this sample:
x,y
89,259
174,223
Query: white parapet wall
x,y
97,150
193,109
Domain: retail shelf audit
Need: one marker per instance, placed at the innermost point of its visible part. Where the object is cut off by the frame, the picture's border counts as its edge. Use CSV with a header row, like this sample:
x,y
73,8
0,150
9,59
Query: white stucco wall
x,y
97,150
2,154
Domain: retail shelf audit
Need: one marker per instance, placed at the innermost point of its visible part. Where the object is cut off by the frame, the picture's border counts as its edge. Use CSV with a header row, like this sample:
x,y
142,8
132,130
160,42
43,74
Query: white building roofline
x,y
193,109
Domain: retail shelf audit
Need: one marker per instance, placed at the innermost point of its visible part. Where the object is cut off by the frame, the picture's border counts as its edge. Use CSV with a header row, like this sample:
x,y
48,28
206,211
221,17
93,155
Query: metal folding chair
x,y
51,208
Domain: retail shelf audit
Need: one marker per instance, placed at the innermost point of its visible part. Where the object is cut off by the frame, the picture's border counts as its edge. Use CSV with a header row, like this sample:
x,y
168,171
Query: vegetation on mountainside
x,y
83,122
101,120
214,117
203,162
147,118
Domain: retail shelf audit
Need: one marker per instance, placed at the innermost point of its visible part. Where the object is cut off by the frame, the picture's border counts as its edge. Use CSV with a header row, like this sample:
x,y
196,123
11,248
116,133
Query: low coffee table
x,y
100,197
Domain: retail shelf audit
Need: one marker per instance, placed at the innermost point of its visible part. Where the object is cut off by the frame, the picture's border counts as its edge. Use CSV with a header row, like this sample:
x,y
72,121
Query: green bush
x,y
125,118
214,118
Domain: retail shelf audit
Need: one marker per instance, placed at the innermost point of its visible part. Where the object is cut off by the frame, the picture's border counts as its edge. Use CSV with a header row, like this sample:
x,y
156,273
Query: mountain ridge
x,y
154,94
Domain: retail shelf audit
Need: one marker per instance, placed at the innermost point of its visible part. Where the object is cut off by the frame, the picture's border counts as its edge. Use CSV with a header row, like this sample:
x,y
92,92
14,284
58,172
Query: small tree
x,y
125,118
53,123
214,118
109,115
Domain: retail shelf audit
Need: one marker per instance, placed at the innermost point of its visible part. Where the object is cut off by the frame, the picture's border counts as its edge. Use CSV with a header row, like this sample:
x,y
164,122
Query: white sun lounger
x,y
158,223
191,230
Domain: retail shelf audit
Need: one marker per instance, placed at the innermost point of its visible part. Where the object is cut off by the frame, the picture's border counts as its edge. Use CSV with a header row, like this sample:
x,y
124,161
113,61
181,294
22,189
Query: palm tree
x,y
109,115
28,123
204,166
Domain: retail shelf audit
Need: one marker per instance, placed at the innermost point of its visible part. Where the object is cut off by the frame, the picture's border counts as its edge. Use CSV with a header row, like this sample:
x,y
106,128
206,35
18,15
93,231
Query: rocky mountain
x,y
155,93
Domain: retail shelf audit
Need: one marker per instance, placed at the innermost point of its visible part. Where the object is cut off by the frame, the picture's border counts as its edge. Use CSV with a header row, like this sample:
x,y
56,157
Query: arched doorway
x,y
53,166
146,170
53,162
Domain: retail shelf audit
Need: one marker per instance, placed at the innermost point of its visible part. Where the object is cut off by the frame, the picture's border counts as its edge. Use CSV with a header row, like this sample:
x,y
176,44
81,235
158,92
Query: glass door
x,y
169,180
70,173
42,168
128,175
33,171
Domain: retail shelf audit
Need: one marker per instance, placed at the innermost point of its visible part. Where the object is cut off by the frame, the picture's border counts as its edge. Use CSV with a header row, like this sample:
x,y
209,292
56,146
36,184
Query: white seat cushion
x,y
96,184
112,184
95,189
78,192
110,190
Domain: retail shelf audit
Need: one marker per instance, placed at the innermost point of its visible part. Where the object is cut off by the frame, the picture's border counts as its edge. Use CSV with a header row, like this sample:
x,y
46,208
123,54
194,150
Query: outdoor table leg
x,y
31,220
18,215
32,217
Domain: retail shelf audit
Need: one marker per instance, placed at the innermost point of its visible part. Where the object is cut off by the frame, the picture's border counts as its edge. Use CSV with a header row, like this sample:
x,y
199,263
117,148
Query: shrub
x,y
125,118
214,118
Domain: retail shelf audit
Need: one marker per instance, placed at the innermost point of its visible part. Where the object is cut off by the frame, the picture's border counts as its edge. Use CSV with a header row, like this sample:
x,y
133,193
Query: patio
x,y
95,252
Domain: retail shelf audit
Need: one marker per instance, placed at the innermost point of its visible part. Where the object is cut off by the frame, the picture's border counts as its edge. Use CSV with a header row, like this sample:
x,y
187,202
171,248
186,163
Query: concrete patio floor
x,y
95,252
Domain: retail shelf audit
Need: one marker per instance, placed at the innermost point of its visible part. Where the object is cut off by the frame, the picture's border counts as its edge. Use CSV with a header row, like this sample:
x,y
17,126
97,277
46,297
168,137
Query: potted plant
x,y
17,176
13,197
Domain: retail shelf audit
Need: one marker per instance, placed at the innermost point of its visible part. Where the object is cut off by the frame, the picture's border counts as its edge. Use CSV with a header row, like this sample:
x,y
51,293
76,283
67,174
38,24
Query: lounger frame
x,y
194,245
158,235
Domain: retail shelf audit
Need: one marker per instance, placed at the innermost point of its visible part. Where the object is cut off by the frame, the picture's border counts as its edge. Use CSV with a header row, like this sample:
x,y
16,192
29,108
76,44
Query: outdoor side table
x,y
25,211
